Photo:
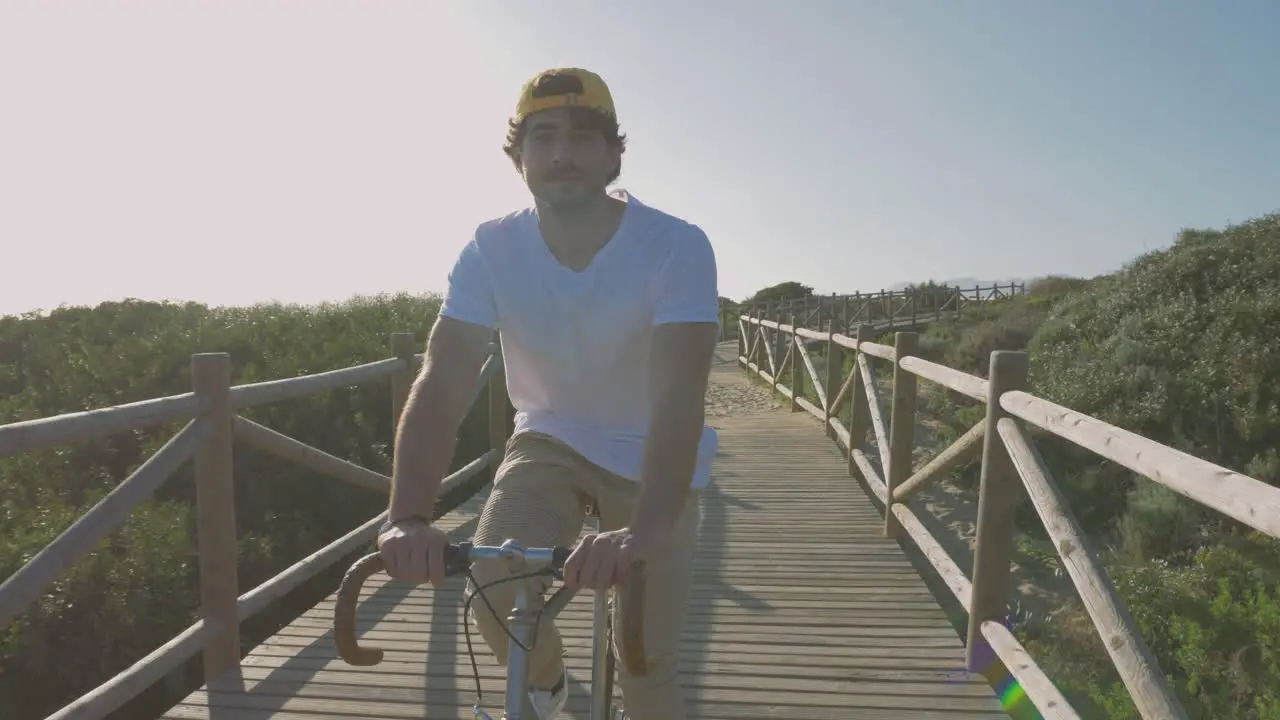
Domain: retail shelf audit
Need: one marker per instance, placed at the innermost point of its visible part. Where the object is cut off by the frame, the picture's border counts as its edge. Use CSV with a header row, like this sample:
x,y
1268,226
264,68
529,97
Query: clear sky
x,y
236,151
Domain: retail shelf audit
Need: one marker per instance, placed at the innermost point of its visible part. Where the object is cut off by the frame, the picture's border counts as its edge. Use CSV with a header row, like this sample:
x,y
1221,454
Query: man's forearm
x,y
670,457
425,441
679,374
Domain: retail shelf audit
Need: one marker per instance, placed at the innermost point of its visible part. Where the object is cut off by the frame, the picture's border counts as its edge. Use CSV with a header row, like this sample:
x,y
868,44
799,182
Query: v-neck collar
x,y
620,234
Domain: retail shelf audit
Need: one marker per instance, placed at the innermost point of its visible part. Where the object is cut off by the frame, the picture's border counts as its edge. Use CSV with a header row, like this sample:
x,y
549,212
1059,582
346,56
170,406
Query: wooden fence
x,y
908,308
208,437
1009,460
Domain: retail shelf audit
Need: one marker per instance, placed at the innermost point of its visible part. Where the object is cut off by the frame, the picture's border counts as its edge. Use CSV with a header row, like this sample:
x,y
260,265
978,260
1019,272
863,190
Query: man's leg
x,y
535,501
658,695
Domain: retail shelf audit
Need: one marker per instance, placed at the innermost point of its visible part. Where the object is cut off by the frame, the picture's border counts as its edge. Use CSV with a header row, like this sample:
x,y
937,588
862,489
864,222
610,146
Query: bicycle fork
x,y
522,623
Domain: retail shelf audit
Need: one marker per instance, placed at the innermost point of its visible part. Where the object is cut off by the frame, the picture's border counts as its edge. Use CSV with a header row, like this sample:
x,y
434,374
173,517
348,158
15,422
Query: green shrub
x,y
1056,286
1179,347
139,587
1213,624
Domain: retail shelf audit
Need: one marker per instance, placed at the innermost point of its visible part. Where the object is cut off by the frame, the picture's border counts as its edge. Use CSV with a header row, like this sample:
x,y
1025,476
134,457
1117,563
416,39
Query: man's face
x,y
565,166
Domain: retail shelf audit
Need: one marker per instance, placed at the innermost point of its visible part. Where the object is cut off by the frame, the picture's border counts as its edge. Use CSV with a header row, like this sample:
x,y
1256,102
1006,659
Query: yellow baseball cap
x,y
564,87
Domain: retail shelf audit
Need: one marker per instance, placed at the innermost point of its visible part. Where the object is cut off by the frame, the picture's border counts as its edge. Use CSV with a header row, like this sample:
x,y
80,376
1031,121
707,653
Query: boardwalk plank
x,y
801,608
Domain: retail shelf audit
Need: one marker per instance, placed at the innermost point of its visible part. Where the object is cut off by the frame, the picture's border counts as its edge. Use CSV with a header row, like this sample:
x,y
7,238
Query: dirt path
x,y
730,392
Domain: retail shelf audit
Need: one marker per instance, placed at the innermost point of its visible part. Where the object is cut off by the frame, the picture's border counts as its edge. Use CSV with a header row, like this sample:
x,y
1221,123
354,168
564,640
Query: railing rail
x,y
907,308
1009,460
208,438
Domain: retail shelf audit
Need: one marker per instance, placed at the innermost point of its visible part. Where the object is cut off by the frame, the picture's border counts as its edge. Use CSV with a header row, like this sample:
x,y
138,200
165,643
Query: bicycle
x,y
521,623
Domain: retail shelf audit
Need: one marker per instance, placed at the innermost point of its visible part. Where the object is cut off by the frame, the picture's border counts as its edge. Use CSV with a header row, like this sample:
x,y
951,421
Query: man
x,y
608,317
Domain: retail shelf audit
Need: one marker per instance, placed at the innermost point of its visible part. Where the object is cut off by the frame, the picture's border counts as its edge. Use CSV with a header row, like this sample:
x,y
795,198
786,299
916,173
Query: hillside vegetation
x,y
1181,346
139,588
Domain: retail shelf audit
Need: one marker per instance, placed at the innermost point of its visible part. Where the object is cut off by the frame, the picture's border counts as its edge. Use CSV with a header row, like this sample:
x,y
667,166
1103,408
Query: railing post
x,y
797,367
778,345
753,347
216,515
776,315
401,380
761,338
498,404
902,426
859,410
998,493
835,376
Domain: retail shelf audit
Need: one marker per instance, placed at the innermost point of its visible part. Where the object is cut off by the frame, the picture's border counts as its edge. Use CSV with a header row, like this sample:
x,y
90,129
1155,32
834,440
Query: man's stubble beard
x,y
581,200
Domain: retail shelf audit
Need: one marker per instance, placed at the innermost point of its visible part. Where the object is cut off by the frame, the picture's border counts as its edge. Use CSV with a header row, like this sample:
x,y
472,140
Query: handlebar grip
x,y
456,560
632,598
344,612
559,556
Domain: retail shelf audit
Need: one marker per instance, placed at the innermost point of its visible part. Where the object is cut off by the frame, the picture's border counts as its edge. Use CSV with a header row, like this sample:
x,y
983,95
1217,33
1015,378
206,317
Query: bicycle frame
x,y
601,658
522,623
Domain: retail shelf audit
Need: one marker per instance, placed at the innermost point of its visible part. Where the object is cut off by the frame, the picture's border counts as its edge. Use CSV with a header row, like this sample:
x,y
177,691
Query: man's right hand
x,y
414,551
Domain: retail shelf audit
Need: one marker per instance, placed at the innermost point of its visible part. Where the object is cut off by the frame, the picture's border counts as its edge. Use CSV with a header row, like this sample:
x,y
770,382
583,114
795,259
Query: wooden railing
x,y
208,437
909,308
1009,459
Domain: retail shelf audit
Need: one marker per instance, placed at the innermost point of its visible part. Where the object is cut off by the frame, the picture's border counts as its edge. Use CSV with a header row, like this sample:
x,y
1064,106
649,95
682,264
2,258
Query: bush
x,y
1213,624
1179,347
139,588
1056,286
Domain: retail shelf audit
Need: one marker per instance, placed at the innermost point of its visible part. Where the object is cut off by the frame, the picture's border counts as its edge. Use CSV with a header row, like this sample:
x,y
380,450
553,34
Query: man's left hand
x,y
602,560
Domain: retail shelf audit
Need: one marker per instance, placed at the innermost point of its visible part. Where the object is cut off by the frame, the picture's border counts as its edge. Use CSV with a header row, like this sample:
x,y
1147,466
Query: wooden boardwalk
x,y
801,608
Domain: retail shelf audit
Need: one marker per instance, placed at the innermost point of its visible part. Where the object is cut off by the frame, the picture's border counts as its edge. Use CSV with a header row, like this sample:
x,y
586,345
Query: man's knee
x,y
656,694
654,690
498,596
495,596
660,670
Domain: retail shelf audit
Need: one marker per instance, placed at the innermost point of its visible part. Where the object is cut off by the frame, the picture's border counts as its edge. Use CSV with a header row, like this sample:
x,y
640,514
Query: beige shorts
x,y
539,498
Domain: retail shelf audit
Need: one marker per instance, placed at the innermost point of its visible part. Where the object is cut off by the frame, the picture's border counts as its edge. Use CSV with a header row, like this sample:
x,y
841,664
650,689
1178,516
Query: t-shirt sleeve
x,y
469,297
686,289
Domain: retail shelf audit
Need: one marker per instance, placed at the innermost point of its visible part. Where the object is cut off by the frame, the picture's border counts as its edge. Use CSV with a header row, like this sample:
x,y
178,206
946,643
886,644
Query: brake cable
x,y
479,589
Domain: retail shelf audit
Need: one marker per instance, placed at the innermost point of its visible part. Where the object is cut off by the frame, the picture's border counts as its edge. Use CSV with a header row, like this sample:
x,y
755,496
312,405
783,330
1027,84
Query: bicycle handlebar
x,y
457,558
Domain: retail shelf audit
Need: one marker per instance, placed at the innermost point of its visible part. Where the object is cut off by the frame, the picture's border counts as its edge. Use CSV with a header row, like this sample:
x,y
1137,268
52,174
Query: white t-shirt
x,y
576,344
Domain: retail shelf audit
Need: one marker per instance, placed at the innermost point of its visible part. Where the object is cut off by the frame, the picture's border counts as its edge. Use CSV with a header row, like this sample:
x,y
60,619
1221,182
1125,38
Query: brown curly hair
x,y
582,119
